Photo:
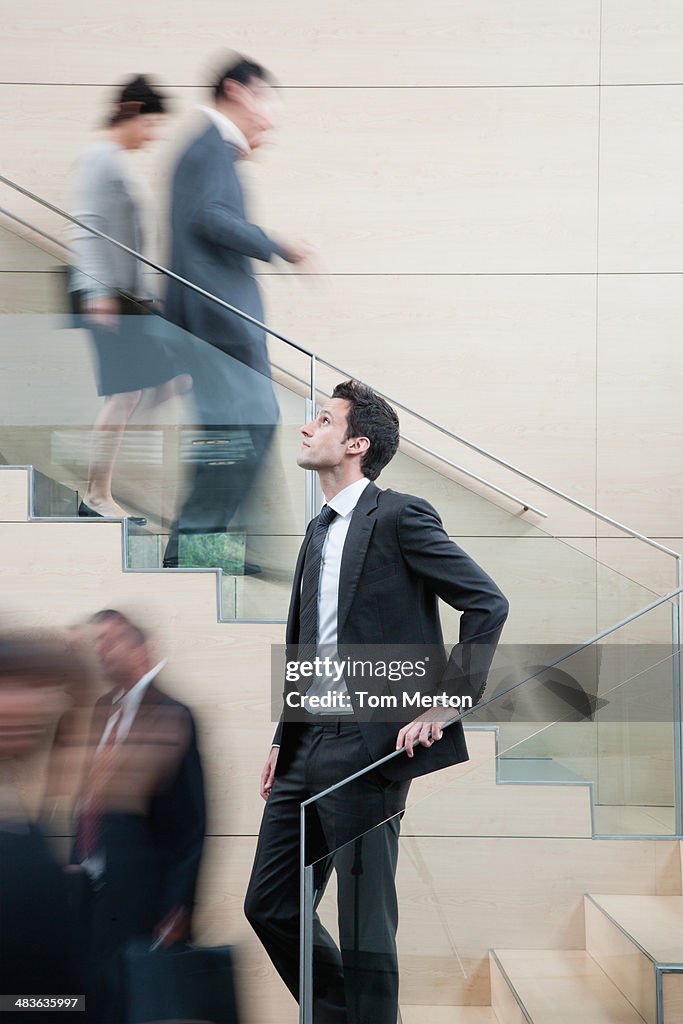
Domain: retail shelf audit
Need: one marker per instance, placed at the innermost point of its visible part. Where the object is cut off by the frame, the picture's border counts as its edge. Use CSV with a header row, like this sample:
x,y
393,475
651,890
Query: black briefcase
x,y
182,983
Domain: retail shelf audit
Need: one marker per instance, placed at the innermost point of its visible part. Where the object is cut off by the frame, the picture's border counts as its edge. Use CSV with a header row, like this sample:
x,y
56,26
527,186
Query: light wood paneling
x,y
475,887
14,485
627,935
506,182
551,588
672,997
654,922
641,161
23,292
503,1001
508,362
640,418
220,921
380,44
563,987
653,569
448,1015
631,971
466,800
640,42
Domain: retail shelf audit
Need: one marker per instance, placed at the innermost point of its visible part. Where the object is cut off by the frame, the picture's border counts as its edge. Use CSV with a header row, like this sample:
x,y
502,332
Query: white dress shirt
x,y
125,705
343,504
228,129
328,594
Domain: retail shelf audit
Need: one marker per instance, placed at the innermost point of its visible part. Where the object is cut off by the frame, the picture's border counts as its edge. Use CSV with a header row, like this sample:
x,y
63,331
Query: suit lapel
x,y
355,549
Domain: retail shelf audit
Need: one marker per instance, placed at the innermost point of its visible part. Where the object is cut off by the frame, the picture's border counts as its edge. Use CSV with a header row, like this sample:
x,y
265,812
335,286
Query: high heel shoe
x,y
86,512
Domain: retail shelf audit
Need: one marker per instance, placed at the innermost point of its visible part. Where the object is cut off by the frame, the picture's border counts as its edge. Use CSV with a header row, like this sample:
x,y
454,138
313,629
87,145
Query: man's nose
x,y
307,429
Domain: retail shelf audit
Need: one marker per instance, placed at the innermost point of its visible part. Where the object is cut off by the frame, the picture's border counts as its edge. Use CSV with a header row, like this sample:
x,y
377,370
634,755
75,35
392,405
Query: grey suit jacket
x,y
213,245
104,199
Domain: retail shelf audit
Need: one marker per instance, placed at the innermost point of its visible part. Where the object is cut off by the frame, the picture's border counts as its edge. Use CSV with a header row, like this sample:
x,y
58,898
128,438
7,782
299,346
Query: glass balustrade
x,y
589,750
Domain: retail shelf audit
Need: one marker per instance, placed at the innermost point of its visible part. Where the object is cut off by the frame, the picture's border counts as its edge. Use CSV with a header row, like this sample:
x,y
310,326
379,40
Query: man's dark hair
x,y
138,637
372,417
242,70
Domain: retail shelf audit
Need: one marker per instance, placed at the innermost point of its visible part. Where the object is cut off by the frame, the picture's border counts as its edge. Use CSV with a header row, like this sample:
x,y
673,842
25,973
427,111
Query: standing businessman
x,y
213,245
370,571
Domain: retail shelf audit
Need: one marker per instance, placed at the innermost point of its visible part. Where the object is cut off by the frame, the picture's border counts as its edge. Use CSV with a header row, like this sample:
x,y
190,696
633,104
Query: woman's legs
x,y
108,431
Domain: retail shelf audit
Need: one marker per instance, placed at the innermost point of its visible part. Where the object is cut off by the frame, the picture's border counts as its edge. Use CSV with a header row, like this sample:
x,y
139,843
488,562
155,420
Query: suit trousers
x,y
218,492
354,832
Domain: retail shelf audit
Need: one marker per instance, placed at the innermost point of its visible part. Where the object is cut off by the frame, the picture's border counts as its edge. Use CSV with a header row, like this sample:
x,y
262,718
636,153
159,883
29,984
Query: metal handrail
x,y
474,476
520,472
32,227
526,506
155,266
300,348
503,693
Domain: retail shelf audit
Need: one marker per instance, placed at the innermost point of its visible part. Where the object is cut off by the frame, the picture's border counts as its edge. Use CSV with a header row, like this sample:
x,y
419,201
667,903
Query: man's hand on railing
x,y
268,773
420,731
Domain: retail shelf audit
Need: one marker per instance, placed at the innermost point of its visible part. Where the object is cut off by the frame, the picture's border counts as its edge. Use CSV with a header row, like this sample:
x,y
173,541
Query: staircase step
x,y
655,923
448,1015
630,937
535,769
556,987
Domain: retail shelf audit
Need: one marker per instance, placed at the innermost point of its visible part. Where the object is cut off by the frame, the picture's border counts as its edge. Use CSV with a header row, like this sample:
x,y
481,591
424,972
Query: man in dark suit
x,y
213,246
141,815
370,571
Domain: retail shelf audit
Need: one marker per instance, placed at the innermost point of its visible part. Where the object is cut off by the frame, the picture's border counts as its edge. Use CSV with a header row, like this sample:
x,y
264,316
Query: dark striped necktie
x,y
310,580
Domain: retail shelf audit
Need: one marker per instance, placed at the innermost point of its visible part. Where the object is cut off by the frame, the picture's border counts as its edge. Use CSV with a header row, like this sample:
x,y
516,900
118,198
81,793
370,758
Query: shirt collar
x,y
228,129
136,693
345,502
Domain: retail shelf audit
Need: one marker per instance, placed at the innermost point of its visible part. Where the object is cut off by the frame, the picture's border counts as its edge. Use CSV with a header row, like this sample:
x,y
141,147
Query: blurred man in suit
x,y
370,571
141,815
213,245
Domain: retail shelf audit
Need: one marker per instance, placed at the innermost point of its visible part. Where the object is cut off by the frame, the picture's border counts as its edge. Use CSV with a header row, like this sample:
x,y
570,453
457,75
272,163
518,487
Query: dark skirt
x,y
132,355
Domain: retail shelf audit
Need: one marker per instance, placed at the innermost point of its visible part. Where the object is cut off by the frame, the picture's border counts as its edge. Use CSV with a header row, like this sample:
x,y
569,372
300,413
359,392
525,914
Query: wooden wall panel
x,y
312,44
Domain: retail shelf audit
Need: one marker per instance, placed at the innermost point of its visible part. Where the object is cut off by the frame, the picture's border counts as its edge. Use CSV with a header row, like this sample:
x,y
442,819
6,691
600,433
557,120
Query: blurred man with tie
x,y
141,813
369,572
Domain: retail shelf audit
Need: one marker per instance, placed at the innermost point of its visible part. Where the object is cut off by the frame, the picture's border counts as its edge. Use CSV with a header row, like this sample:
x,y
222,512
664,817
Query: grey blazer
x,y
213,245
104,199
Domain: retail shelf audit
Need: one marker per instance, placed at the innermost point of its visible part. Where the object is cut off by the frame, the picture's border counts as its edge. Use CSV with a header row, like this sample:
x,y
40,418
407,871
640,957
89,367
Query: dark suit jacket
x,y
213,245
397,561
154,815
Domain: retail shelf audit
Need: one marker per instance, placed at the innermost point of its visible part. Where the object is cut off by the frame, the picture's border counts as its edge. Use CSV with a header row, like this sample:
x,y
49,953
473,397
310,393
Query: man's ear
x,y
232,91
358,445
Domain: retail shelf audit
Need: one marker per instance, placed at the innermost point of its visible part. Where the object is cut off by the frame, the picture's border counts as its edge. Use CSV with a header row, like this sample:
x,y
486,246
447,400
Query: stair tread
x,y
565,986
535,769
654,922
414,1014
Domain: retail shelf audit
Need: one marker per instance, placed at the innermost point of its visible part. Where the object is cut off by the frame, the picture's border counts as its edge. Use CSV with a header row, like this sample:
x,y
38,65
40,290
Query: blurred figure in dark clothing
x,y
213,245
141,815
38,949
